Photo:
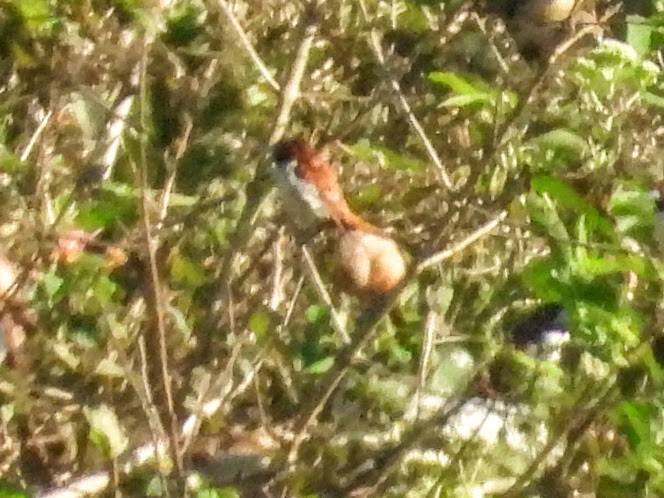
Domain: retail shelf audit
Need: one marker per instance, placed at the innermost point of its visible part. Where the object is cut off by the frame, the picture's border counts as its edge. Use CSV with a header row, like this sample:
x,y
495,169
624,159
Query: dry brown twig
x,y
156,298
374,42
248,47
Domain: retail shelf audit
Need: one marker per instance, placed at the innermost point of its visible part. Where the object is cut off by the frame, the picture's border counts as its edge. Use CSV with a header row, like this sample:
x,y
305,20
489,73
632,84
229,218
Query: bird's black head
x,y
294,149
540,325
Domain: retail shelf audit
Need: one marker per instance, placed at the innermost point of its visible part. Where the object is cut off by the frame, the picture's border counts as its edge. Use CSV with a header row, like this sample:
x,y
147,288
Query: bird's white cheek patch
x,y
303,190
307,191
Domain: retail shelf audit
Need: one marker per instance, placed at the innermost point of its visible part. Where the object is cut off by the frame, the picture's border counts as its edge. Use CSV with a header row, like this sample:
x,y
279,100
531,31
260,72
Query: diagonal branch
x,y
374,43
154,289
248,47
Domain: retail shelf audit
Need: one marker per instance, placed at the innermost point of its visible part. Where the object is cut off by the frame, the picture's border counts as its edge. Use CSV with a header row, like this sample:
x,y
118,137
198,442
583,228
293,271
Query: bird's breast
x,y
301,199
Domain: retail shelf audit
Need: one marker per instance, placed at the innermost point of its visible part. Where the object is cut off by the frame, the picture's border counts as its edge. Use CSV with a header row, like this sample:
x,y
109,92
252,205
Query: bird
x,y
373,262
537,26
370,259
546,10
541,331
310,188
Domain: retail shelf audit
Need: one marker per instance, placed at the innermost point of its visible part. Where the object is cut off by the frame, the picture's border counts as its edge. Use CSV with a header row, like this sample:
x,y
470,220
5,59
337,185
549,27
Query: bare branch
x,y
248,47
337,323
155,290
365,330
405,106
461,245
35,136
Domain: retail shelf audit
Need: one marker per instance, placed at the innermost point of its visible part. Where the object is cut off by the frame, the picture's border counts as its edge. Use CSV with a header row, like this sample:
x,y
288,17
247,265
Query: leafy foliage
x,y
133,136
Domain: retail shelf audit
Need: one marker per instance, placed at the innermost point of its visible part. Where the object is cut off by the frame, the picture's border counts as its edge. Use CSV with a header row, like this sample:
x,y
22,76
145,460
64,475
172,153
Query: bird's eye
x,y
282,152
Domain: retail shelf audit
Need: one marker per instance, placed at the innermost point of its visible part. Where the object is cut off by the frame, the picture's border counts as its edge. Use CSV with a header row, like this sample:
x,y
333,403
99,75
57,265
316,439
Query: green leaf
x,y
454,370
6,492
591,266
466,100
155,487
561,139
105,211
386,157
652,99
469,90
321,366
8,161
259,323
186,271
109,368
567,198
558,190
544,215
543,277
639,31
218,493
463,85
633,212
637,416
316,313
105,430
51,283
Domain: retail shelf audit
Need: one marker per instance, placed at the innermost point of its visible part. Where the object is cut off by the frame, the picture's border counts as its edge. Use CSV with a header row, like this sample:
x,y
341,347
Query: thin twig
x,y
276,295
337,323
248,47
501,135
405,106
461,245
430,326
115,129
155,285
35,136
169,185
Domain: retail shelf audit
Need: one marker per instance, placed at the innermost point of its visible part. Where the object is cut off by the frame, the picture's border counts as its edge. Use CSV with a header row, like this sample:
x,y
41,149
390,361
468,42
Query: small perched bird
x,y
537,26
541,331
311,193
546,10
310,187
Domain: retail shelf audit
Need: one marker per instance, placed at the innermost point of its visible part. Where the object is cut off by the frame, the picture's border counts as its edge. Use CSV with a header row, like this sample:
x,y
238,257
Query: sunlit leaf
x,y
543,214
463,85
638,34
8,161
218,493
186,271
105,430
561,139
321,366
386,157
259,323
